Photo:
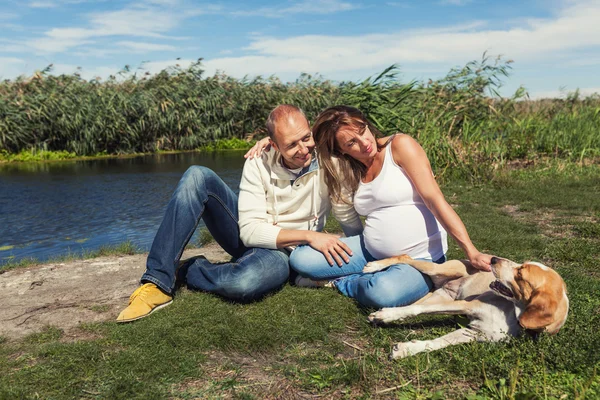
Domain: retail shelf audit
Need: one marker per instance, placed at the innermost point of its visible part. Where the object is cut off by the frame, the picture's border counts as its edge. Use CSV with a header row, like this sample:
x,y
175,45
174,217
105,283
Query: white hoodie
x,y
273,198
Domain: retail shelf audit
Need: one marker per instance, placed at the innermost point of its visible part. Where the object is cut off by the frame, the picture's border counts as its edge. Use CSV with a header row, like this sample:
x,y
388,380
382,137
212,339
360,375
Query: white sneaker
x,y
301,281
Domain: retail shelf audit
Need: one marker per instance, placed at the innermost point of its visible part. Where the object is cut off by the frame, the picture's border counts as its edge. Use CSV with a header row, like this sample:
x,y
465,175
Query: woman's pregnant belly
x,y
411,230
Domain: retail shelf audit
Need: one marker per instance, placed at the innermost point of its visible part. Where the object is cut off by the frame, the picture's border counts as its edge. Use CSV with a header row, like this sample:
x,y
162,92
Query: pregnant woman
x,y
390,182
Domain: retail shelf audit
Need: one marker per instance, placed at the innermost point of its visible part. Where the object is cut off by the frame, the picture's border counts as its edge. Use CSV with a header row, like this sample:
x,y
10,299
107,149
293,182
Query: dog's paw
x,y
373,266
407,349
386,315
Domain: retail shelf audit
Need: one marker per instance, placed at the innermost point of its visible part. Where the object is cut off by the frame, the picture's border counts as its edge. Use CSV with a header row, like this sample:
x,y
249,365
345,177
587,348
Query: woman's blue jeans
x,y
201,194
398,285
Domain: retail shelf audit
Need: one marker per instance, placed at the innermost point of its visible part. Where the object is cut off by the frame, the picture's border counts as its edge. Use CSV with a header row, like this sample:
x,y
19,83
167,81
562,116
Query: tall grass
x,y
460,120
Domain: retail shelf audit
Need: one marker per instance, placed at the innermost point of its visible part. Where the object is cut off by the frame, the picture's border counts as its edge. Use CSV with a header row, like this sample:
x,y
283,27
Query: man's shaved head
x,y
280,114
290,134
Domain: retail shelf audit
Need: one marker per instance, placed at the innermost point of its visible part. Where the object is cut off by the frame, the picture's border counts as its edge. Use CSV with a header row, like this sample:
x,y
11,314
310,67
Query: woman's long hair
x,y
342,177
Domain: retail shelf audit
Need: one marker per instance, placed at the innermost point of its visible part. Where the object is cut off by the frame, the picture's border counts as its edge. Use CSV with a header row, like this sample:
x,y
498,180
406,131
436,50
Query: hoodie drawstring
x,y
315,193
275,208
314,200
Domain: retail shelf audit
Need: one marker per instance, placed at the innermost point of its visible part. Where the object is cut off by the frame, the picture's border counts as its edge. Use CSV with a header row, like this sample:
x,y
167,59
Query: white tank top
x,y
398,221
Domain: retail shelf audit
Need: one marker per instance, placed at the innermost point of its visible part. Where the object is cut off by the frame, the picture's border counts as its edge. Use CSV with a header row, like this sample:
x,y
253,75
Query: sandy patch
x,y
64,295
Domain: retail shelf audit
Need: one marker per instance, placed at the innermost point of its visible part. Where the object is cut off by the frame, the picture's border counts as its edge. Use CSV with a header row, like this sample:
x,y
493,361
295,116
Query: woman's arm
x,y
263,144
412,158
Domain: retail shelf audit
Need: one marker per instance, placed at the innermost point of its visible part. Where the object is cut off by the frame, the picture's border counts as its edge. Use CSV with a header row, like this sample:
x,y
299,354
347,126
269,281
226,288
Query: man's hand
x,y
260,146
481,261
331,246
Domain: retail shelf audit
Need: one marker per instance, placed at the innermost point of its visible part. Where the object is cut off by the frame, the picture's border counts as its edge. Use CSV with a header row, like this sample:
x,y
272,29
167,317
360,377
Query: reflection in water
x,y
51,209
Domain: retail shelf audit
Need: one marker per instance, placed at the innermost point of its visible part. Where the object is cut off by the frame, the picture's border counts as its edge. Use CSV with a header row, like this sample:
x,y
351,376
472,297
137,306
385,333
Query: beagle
x,y
498,304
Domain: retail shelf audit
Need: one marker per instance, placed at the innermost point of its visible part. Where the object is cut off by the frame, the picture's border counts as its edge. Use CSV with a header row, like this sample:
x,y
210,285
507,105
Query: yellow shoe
x,y
144,301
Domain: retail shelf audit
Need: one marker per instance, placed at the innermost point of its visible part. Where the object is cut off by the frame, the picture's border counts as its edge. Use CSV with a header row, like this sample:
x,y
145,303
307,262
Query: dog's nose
x,y
495,260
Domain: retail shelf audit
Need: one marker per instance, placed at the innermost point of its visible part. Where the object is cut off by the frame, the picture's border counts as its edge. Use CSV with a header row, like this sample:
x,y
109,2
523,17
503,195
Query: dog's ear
x,y
539,312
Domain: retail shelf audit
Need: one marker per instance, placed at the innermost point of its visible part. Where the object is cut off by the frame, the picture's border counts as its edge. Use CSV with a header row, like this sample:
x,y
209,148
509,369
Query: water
x,y
52,209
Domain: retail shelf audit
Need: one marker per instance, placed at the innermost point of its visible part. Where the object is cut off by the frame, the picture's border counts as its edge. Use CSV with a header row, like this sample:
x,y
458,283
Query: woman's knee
x,y
379,294
305,260
312,264
382,291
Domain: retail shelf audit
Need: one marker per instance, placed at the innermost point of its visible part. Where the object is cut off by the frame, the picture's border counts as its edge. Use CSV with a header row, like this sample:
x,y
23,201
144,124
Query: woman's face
x,y
357,142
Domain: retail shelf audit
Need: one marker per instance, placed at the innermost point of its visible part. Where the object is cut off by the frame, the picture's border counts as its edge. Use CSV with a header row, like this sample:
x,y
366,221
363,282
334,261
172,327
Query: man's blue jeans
x,y
396,286
201,194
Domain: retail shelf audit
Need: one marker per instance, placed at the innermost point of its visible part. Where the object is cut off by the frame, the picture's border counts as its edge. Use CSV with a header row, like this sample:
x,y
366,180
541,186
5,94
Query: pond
x,y
52,209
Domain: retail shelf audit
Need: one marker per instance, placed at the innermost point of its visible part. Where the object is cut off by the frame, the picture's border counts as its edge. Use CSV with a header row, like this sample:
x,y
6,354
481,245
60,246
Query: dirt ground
x,y
67,294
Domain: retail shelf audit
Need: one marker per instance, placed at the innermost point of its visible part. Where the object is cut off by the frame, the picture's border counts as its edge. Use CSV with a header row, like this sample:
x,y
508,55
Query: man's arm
x,y
331,246
255,229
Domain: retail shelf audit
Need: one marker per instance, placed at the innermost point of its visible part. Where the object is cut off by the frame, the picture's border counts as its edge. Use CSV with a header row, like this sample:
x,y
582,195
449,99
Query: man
x,y
283,202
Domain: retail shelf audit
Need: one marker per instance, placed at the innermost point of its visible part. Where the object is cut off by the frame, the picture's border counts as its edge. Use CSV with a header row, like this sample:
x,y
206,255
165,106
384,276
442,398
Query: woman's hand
x,y
331,246
260,146
481,261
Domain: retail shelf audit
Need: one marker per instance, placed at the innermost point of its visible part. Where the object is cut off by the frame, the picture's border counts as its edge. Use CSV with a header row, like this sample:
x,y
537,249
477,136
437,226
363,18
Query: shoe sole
x,y
145,315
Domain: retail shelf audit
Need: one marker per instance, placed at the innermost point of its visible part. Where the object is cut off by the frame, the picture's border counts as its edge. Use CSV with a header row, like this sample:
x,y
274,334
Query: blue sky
x,y
555,44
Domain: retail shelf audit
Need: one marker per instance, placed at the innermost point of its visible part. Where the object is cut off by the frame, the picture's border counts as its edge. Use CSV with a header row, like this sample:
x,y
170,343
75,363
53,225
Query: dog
x,y
499,304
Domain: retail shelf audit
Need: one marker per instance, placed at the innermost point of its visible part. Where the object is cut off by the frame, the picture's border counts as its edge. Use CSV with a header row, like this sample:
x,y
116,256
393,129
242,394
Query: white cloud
x,y
349,57
573,29
42,4
319,7
10,47
561,39
563,93
56,45
86,73
59,3
11,67
4,16
163,2
11,60
583,60
133,22
148,19
12,27
303,7
155,67
399,4
459,3
137,21
145,47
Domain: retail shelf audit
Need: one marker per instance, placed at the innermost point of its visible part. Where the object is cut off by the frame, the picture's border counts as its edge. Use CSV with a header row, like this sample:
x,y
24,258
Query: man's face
x,y
294,140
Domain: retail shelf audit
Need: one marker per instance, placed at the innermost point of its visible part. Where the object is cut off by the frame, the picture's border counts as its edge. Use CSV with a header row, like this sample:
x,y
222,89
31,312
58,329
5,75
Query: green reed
x,y
465,127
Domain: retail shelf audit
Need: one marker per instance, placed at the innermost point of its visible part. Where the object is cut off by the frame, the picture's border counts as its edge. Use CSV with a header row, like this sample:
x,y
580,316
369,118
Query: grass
x,y
306,342
228,144
34,155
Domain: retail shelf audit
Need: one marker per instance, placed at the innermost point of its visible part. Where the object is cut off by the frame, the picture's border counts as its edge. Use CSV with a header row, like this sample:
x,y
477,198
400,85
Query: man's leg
x,y
199,194
256,273
310,263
